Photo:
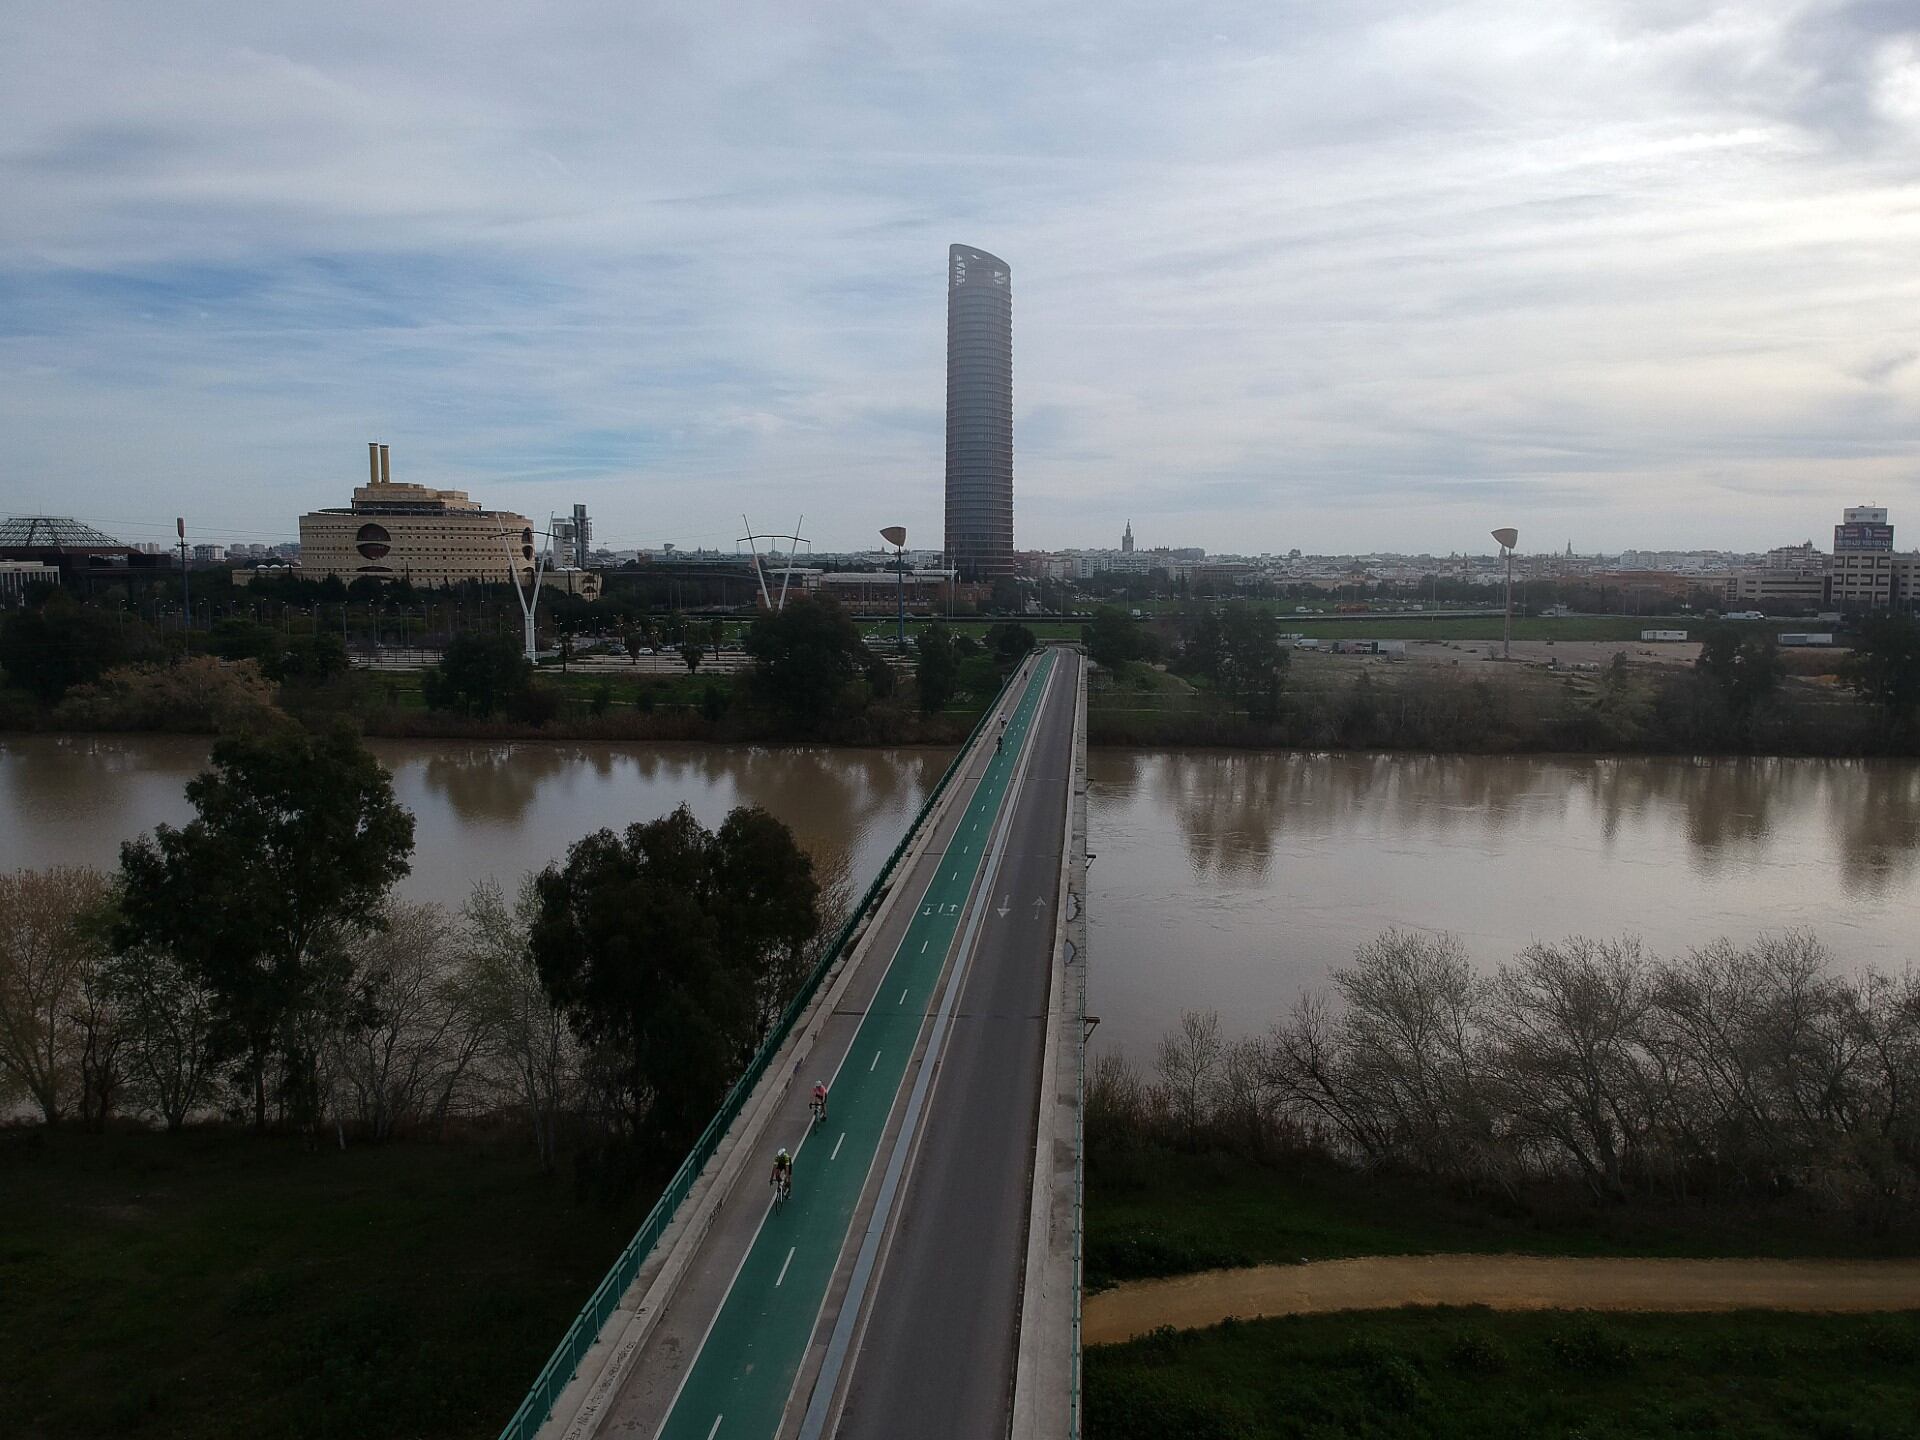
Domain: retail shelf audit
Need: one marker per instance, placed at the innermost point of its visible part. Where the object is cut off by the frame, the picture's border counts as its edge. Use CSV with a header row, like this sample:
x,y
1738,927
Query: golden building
x,y
413,532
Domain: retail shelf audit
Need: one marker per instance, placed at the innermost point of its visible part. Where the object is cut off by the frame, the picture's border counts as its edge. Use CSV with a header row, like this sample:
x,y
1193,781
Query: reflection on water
x,y
481,809
1224,879
1231,880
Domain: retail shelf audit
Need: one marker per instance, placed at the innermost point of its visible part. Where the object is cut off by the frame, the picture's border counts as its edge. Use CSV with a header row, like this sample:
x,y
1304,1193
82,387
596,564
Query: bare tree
x,y
169,1016
1565,1023
1189,1062
403,1053
49,951
530,1048
1408,1046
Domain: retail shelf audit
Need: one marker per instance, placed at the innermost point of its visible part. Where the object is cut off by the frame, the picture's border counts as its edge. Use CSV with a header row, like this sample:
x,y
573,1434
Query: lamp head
x,y
1507,536
895,535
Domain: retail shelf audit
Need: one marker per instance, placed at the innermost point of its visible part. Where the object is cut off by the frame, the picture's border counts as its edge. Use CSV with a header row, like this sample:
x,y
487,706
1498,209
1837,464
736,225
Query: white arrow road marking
x,y
1004,907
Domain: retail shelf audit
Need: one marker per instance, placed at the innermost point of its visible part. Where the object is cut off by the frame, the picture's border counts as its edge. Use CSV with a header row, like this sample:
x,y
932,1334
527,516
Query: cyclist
x,y
782,1174
819,1101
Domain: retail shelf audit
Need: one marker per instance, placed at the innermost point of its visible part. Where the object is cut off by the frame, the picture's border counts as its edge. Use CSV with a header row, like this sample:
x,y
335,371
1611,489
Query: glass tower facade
x,y
979,413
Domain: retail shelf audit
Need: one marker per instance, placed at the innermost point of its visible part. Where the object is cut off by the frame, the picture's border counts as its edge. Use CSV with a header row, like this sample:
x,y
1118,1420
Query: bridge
x,y
923,1277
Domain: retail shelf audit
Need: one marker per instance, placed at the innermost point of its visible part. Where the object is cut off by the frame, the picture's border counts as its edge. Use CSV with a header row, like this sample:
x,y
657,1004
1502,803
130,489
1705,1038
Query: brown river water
x,y
1223,880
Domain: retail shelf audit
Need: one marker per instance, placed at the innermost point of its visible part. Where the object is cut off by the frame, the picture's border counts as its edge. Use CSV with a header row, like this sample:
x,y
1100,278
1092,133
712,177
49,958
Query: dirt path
x,y
1505,1282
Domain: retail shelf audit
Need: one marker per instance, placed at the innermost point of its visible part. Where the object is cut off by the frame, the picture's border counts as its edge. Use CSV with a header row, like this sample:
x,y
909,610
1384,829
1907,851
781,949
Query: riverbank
x,y
1465,703
211,1284
1385,1375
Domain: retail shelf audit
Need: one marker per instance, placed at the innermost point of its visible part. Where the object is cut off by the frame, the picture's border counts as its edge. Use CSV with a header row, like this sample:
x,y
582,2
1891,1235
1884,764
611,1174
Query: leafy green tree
x,y
692,654
804,657
1008,598
1203,651
1009,641
1112,639
938,672
478,675
668,946
297,841
307,659
1744,664
63,644
1252,667
1885,666
237,638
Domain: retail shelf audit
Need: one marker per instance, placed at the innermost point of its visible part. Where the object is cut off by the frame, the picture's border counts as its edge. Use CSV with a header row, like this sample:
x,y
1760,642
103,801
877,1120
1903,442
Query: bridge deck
x,y
890,1281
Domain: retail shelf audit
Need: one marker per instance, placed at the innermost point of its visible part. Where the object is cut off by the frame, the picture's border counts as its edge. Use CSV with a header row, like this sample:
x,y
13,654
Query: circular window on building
x,y
372,541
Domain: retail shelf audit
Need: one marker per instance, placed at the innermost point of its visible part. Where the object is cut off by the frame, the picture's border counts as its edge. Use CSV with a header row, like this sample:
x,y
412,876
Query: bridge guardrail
x,y
565,1360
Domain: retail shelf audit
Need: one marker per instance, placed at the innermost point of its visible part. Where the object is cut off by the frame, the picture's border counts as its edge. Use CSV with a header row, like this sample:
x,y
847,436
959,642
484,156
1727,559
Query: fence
x,y
586,1327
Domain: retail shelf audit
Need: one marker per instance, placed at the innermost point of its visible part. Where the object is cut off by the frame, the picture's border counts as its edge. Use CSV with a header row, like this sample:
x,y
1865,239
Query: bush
x,y
201,695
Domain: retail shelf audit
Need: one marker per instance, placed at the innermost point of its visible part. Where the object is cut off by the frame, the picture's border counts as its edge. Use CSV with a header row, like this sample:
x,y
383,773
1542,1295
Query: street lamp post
x,y
896,536
1508,538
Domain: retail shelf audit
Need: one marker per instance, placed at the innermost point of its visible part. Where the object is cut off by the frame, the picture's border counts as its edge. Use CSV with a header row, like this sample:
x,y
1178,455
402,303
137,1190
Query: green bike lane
x,y
741,1379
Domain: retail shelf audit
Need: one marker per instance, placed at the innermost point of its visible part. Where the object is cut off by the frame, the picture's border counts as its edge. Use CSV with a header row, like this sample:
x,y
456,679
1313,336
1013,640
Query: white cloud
x,y
1325,276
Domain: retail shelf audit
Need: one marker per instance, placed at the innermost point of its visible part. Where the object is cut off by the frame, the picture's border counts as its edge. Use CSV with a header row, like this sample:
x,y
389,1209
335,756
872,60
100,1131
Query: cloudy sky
x,y
1342,275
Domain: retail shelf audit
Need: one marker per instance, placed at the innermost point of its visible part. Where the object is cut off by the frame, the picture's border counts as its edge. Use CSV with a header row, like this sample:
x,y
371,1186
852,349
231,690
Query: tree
x,y
665,946
529,1045
635,639
1009,642
50,953
692,654
1113,638
1885,665
169,1017
1744,664
804,656
478,675
1189,1062
297,842
1251,665
416,1032
63,644
307,659
938,673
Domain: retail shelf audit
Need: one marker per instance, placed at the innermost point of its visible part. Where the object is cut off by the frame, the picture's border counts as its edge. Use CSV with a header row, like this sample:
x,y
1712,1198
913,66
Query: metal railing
x,y
565,1360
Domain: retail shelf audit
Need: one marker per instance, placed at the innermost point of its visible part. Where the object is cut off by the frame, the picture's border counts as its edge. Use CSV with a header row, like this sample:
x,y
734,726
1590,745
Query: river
x,y
1223,880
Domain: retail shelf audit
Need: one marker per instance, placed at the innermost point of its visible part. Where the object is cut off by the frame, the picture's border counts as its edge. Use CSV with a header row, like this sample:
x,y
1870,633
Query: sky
x,y
1346,275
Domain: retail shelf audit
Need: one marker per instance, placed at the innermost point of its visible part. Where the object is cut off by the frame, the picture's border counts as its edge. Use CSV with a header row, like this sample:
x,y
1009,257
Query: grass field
x,y
213,1284
1163,1213
1384,1375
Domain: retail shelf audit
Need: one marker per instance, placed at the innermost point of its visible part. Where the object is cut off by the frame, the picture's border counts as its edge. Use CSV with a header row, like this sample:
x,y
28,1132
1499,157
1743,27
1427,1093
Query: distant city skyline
x,y
1346,279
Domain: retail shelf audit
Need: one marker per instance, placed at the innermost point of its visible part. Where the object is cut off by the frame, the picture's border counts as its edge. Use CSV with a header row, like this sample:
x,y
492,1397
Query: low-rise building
x,y
17,575
415,532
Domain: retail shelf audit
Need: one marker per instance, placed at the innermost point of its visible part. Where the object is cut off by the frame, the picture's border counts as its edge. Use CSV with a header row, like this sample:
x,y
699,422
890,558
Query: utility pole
x,y
186,599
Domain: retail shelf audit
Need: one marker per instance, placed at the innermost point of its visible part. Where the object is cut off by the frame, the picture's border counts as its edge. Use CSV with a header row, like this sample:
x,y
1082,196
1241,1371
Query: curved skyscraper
x,y
979,413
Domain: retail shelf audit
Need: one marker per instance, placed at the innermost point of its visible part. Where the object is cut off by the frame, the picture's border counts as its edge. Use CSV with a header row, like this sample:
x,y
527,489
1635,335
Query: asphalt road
x,y
745,1364
936,1357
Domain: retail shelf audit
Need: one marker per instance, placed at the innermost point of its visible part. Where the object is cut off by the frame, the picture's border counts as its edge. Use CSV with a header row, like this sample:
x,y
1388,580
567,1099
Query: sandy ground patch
x,y
1505,1282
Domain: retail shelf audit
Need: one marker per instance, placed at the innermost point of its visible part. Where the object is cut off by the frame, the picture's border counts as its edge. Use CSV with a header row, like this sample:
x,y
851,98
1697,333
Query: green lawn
x,y
213,1284
1158,1212
1385,1375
